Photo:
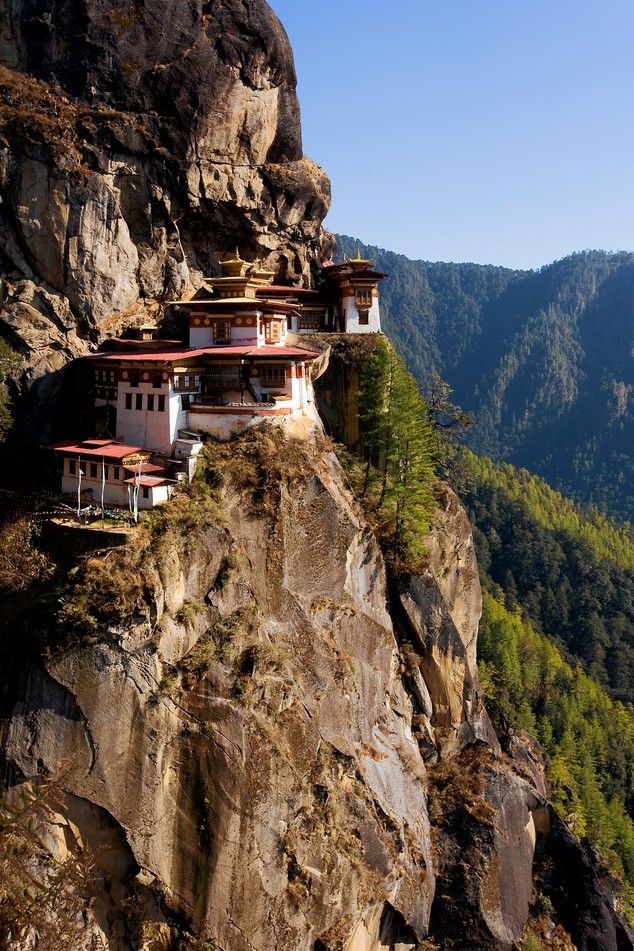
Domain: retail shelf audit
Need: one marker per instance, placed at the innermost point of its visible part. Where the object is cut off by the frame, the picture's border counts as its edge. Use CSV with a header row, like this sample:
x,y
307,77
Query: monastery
x,y
153,400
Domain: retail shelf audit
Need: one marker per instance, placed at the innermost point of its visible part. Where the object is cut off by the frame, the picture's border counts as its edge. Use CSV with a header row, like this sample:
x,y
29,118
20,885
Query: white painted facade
x,y
247,330
352,317
150,496
247,336
282,402
115,489
226,424
153,428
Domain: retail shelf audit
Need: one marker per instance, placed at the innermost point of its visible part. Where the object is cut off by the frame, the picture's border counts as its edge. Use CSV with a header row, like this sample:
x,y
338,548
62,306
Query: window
x,y
134,377
72,468
106,472
186,401
187,382
364,296
111,376
93,470
310,320
128,401
157,381
364,317
150,402
273,376
115,473
139,401
222,331
273,331
146,492
161,404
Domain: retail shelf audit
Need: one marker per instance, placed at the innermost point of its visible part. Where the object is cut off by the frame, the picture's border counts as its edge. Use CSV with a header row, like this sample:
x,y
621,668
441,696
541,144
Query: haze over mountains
x,y
542,358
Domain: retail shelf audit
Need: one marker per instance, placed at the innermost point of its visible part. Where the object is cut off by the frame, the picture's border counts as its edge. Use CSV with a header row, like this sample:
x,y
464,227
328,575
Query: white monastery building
x,y
154,399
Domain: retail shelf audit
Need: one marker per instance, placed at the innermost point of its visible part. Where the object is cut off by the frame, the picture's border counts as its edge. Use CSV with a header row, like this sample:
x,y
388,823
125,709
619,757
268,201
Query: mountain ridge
x,y
528,354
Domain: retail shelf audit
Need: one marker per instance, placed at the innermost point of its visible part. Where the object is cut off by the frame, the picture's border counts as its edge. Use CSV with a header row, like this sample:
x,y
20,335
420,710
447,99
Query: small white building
x,y
105,473
347,300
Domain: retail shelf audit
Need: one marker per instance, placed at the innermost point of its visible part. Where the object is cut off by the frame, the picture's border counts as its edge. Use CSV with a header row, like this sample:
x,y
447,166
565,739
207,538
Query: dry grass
x,y
35,113
116,587
457,786
258,463
104,589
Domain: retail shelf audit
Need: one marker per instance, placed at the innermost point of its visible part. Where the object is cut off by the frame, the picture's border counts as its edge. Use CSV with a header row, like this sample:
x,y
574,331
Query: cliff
x,y
262,742
237,730
252,738
138,144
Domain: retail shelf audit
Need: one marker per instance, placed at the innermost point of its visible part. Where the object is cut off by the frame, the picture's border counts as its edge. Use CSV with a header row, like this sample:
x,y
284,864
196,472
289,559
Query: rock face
x,y
156,138
263,741
251,740
274,746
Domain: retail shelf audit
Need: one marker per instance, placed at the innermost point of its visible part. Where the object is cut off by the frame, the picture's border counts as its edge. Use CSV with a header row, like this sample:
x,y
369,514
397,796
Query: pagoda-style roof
x,y
244,303
219,351
235,267
283,290
98,448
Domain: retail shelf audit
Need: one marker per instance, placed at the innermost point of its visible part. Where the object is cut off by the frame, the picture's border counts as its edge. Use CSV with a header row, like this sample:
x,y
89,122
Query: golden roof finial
x,y
358,257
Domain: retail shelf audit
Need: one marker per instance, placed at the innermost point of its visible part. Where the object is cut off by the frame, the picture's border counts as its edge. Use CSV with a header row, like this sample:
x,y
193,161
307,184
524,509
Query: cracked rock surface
x,y
282,749
140,143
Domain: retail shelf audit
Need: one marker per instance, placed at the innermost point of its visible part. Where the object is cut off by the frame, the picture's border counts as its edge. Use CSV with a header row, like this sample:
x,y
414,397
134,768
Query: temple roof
x,y
99,448
184,353
242,302
149,481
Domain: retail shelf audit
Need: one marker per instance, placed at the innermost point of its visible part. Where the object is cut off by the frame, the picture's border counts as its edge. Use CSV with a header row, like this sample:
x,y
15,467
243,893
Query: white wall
x,y
224,425
244,336
156,496
200,337
116,493
150,429
353,326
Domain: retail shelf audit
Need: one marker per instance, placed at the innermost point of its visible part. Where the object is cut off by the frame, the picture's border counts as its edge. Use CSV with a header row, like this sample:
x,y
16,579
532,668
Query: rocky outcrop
x,y
253,735
268,744
155,139
439,611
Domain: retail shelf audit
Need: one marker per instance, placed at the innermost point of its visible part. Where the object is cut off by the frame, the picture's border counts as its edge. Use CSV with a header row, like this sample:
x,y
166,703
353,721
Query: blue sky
x,y
496,131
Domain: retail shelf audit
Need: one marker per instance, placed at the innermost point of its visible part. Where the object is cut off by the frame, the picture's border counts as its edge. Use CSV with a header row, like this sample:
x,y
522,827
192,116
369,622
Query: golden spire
x,y
234,267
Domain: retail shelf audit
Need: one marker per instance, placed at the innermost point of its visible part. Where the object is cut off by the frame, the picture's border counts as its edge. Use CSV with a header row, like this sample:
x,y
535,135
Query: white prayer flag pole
x,y
137,485
79,475
103,484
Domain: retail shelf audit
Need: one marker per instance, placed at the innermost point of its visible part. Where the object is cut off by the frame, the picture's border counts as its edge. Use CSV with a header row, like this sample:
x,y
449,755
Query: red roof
x,y
146,468
105,449
149,481
269,350
149,356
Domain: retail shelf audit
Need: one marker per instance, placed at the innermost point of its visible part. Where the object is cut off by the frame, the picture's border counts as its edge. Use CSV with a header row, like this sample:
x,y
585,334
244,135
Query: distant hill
x,y
542,358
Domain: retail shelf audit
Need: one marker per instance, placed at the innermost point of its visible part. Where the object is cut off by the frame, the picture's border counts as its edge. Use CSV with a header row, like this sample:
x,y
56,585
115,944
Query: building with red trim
x,y
155,398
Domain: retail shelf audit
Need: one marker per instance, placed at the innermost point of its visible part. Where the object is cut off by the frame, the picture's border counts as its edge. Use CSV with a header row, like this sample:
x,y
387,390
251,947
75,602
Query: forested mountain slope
x,y
542,358
556,640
